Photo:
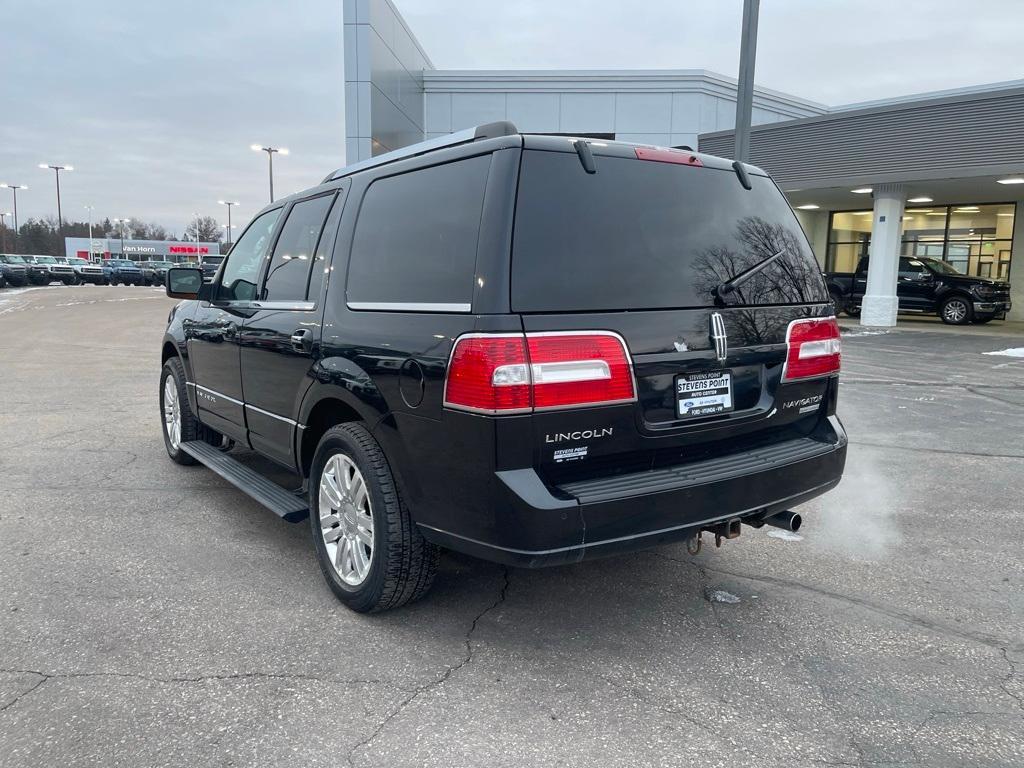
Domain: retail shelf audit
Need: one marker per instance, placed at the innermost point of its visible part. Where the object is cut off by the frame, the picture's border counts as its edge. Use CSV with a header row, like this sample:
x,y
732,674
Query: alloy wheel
x,y
346,519
172,413
955,310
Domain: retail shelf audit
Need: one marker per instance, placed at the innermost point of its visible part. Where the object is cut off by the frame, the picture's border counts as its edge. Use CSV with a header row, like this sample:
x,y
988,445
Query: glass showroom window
x,y
974,239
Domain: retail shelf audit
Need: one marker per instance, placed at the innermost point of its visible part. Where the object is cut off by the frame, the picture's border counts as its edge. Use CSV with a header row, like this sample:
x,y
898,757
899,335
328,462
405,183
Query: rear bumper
x,y
640,510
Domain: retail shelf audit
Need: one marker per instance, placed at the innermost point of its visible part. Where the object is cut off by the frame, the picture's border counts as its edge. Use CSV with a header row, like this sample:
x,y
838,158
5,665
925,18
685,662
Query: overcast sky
x,y
156,103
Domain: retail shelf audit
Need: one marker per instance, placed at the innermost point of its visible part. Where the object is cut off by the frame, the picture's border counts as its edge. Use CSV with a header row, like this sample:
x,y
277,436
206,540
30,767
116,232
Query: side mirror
x,y
184,282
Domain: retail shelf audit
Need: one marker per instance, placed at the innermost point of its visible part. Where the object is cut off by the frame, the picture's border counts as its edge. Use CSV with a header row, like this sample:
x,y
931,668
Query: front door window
x,y
241,273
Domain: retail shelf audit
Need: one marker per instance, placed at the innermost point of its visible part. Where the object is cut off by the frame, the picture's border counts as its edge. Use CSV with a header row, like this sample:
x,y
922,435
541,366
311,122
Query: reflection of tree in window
x,y
293,254
792,278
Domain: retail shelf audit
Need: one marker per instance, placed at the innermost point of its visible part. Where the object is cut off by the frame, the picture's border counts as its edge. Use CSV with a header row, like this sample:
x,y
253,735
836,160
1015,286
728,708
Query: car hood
x,y
968,280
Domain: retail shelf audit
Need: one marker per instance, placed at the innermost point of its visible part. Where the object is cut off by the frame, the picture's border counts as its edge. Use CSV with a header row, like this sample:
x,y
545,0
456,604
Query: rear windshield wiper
x,y
736,281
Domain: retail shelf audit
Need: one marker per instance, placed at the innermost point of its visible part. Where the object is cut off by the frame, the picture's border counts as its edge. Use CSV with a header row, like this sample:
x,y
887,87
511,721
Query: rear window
x,y
651,235
415,239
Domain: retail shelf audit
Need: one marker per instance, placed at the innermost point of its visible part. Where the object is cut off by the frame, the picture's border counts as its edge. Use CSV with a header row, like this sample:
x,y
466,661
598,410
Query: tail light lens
x,y
814,348
489,373
516,373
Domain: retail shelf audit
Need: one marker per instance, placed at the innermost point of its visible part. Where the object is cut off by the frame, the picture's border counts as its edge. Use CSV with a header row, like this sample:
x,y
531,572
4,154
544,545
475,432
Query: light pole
x,y
745,85
90,209
121,223
56,171
3,230
229,204
270,155
14,188
227,233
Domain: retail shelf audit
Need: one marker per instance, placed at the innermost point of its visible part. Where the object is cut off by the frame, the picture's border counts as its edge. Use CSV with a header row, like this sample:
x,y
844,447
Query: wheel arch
x,y
324,408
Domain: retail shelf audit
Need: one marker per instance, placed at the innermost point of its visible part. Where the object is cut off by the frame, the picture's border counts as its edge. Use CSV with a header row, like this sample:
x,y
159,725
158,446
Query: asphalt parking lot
x,y
151,615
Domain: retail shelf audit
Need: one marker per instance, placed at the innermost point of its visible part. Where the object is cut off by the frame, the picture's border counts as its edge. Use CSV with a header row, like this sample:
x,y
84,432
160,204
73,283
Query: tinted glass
x,y
290,264
321,263
238,281
415,240
649,235
911,268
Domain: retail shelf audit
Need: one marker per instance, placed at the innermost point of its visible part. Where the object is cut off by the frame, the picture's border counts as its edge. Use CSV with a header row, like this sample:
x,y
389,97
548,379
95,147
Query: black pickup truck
x,y
927,286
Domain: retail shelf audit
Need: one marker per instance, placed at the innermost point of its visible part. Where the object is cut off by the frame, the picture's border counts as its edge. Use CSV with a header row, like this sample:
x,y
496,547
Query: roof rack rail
x,y
480,132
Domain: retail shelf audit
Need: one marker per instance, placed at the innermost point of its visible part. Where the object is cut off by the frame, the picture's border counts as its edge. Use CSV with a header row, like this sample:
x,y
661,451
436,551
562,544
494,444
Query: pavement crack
x,y
981,638
184,679
1003,685
437,682
42,679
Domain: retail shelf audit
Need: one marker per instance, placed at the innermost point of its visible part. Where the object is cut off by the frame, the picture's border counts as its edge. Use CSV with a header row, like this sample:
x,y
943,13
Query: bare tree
x,y
208,228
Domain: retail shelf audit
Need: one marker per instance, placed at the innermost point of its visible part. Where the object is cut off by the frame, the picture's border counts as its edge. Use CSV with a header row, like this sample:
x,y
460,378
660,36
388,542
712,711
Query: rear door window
x,y
415,240
295,250
651,235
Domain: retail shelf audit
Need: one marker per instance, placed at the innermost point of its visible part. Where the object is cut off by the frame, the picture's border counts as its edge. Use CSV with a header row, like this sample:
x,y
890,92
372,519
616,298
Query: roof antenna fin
x,y
742,173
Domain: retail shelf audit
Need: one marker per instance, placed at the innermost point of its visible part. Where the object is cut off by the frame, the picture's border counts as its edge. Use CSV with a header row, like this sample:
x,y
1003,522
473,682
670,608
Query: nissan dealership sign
x,y
145,250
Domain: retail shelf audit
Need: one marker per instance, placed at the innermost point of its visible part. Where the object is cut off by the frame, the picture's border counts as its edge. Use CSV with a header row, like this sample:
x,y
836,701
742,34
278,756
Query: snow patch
x,y
721,596
778,533
1011,352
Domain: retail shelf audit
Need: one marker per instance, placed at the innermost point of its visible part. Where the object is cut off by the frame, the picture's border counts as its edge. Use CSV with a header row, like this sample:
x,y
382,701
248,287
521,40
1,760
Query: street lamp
x,y
14,189
3,230
120,223
90,209
56,170
229,204
270,155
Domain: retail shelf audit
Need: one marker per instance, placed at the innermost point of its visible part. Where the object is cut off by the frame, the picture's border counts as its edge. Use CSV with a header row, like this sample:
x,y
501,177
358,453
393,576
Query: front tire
x,y
179,423
370,551
956,310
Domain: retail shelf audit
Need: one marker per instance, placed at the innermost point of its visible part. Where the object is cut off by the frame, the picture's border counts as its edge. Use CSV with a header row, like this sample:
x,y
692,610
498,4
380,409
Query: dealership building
x,y
137,250
936,174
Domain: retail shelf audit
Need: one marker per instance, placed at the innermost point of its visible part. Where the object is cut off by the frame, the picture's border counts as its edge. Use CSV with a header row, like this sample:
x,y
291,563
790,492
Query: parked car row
x,y
23,270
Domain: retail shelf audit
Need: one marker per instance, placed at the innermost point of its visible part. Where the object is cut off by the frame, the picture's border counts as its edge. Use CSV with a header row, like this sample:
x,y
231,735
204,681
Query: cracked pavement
x,y
152,615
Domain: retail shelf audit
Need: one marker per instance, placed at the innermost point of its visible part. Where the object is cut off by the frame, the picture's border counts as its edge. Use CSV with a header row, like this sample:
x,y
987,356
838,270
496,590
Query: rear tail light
x,y
814,348
517,373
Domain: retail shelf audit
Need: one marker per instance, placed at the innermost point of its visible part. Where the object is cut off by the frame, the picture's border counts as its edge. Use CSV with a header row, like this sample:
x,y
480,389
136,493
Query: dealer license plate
x,y
703,394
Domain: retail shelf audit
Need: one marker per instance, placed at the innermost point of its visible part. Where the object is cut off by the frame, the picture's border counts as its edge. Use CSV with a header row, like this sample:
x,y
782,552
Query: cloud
x,y
156,104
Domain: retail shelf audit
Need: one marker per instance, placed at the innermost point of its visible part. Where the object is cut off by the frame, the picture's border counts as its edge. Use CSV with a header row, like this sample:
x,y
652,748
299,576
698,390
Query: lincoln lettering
x,y
583,434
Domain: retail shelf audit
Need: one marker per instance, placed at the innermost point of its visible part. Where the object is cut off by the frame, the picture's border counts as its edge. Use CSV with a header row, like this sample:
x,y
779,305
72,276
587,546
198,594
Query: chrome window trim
x,y
409,306
293,306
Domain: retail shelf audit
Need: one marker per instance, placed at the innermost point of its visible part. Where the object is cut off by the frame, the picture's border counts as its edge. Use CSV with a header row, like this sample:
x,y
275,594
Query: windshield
x,y
77,262
941,267
12,259
45,260
652,235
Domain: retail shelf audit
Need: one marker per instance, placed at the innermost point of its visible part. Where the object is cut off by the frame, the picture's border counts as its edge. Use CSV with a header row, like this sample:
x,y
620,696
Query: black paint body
x,y
489,485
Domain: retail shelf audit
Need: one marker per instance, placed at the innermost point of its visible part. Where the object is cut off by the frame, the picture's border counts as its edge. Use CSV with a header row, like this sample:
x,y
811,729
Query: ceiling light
x,y
861,191
919,210
1005,214
808,207
864,213
935,214
1011,180
967,209
919,200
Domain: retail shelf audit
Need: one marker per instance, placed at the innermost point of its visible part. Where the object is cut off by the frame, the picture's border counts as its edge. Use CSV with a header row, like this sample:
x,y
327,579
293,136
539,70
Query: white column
x,y
1017,266
880,303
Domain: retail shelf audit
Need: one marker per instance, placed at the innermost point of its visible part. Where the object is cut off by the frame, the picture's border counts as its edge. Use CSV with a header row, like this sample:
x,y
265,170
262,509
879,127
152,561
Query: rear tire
x,y
838,302
358,503
956,310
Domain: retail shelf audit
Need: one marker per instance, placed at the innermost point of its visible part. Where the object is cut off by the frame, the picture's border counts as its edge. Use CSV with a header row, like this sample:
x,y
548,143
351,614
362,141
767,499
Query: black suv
x,y
527,348
927,286
14,269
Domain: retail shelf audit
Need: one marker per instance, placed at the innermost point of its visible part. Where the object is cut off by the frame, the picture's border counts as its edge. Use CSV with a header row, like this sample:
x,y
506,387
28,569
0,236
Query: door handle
x,y
302,341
